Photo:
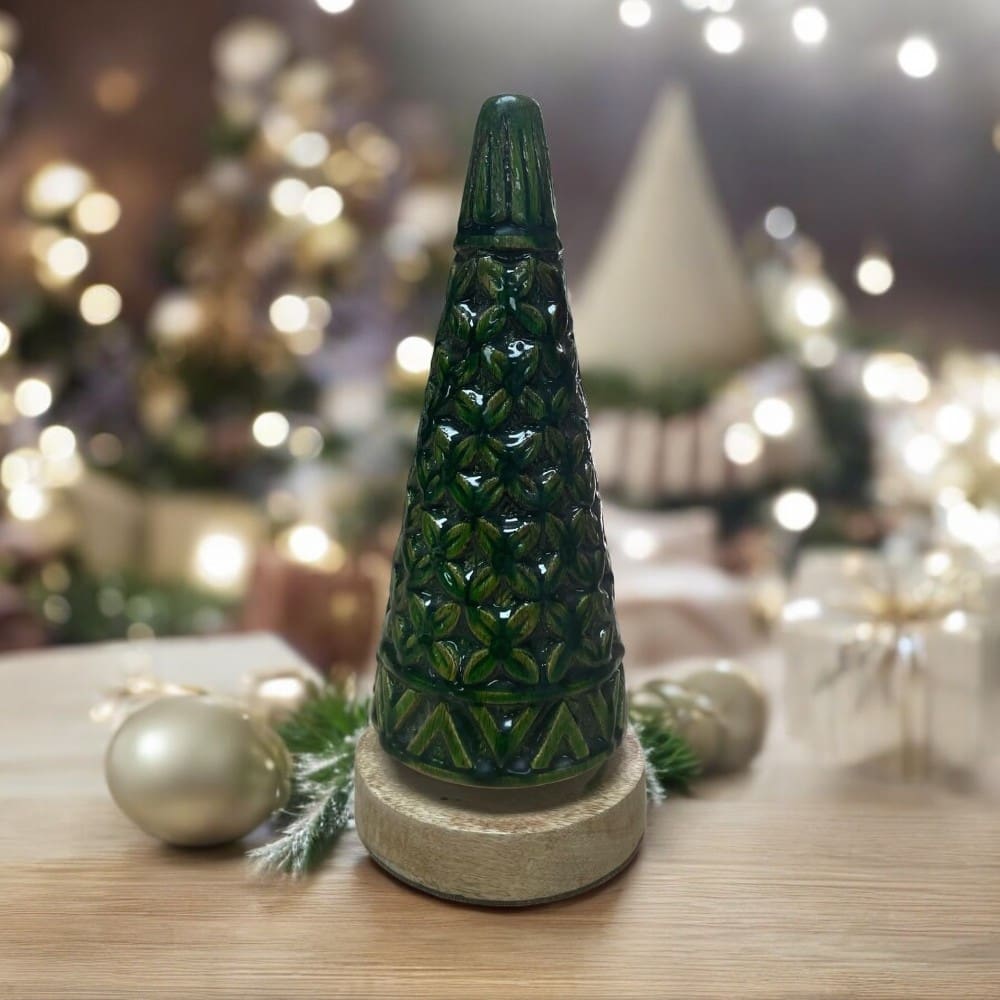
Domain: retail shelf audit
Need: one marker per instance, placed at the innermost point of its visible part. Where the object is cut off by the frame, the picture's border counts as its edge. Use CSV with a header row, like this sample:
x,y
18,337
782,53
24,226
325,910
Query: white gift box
x,y
867,683
644,536
159,534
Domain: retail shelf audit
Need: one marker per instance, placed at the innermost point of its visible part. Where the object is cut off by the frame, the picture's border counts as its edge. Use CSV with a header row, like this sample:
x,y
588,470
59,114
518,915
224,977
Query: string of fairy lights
x,y
67,209
724,32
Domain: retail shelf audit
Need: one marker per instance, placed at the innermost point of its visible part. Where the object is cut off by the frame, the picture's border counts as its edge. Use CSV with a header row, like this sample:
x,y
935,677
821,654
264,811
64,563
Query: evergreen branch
x,y
322,739
671,765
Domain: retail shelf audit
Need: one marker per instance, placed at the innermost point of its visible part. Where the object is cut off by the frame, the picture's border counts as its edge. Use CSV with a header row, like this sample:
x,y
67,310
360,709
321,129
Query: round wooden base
x,y
500,847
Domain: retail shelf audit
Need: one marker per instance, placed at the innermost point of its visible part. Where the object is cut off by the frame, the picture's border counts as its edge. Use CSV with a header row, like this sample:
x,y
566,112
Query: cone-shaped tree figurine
x,y
500,661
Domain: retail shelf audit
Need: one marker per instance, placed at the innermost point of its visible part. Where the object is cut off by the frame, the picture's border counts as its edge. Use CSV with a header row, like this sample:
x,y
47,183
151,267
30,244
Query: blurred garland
x,y
78,606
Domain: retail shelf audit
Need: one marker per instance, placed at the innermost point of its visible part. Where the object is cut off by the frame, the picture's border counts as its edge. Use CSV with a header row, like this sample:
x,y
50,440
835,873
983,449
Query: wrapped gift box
x,y
660,536
682,609
328,614
158,534
885,666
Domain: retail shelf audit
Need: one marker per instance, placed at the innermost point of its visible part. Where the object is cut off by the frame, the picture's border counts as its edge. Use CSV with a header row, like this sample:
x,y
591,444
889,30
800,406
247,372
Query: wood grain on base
x,y
500,847
788,881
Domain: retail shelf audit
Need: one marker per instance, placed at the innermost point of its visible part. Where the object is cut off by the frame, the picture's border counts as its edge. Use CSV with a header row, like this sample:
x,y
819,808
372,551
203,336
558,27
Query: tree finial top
x,y
508,202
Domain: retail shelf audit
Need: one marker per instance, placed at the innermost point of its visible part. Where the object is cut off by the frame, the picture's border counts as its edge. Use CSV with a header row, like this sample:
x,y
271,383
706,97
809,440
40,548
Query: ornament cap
x,y
508,202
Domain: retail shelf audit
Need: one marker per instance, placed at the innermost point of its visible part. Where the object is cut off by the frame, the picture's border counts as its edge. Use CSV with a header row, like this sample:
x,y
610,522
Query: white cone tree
x,y
666,294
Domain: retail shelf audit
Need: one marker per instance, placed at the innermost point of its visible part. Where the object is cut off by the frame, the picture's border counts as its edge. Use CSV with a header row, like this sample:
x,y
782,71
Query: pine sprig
x,y
321,738
671,765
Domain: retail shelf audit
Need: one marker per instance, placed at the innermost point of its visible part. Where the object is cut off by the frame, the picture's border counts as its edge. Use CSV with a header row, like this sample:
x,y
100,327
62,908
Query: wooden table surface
x,y
788,881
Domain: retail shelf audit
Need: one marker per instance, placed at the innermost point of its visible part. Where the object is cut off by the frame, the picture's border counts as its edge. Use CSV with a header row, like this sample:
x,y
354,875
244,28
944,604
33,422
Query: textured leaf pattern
x,y
501,584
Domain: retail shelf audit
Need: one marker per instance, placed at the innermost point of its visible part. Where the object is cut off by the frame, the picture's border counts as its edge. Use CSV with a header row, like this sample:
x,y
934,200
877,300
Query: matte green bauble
x,y
195,770
500,661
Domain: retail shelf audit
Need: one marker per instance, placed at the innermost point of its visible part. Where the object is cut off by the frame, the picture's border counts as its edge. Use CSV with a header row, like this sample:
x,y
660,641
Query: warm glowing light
x,y
67,257
954,423
334,6
22,465
742,444
97,212
270,429
723,35
320,312
220,560
968,524
795,510
874,274
813,305
6,338
27,502
809,25
308,543
289,313
305,442
323,205
917,57
6,69
779,222
819,350
176,316
993,445
891,376
57,442
56,188
923,453
250,50
802,609
308,149
635,13
305,342
938,563
413,355
10,32
288,195
62,472
100,304
774,417
32,397
638,543
41,241
879,376
375,148
913,385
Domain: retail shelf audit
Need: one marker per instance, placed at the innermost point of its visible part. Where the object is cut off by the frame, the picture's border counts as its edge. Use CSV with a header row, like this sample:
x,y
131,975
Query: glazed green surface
x,y
500,660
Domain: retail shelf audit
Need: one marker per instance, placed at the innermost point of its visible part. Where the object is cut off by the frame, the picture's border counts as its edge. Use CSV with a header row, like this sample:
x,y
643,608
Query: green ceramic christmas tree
x,y
500,661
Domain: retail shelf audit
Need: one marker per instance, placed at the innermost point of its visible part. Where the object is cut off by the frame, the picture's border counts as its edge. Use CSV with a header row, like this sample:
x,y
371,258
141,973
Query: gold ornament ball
x,y
688,714
277,695
195,770
739,702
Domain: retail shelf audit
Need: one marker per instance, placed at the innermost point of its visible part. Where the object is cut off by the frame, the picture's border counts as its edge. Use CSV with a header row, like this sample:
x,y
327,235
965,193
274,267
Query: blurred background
x,y
225,239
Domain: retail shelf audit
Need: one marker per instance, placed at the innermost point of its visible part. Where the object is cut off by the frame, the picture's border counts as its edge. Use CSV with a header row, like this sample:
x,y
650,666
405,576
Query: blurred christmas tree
x,y
296,262
291,269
